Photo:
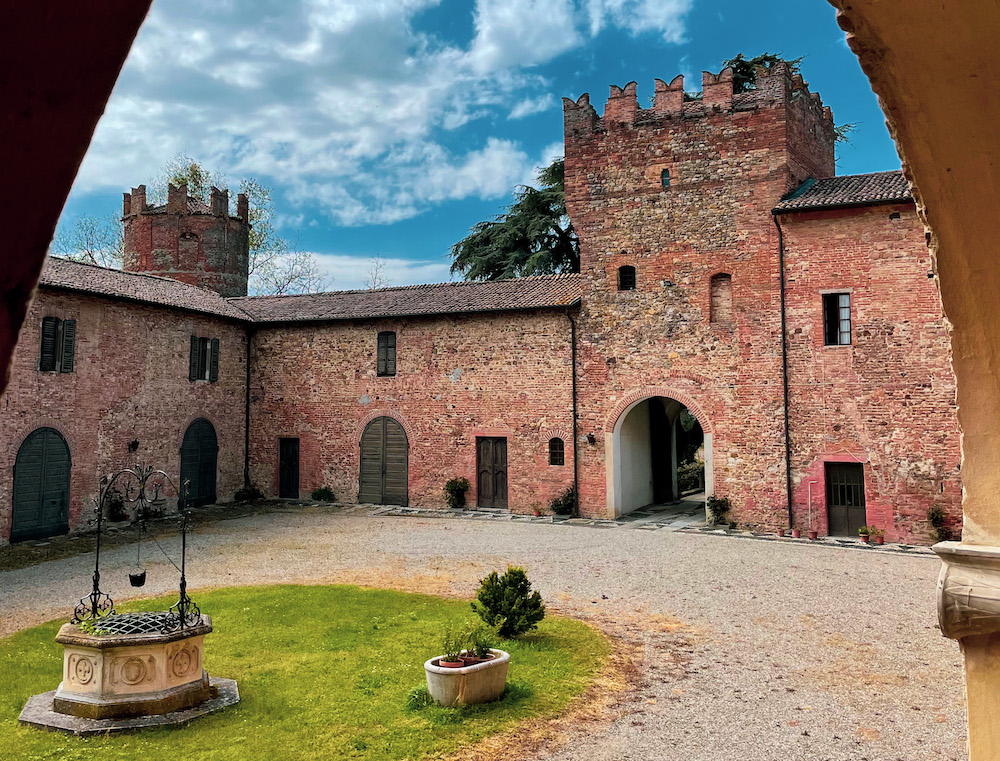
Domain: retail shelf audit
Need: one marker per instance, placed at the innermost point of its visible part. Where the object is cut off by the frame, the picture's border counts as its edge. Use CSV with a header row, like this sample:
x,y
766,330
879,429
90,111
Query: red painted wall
x,y
888,399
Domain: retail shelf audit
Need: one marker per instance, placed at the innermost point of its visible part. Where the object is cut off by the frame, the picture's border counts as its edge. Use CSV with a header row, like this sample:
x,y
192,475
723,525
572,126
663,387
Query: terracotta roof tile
x,y
849,190
526,293
149,289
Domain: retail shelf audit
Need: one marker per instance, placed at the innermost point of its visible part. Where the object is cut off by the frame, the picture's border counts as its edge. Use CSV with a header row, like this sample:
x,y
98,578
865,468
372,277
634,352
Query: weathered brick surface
x,y
728,166
130,382
187,240
888,399
457,378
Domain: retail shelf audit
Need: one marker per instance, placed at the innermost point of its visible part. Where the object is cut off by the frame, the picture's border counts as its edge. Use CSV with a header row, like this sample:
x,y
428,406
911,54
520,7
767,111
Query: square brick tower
x,y
681,283
188,240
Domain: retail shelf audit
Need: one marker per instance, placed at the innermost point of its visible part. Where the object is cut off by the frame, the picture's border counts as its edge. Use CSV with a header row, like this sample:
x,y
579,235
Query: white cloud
x,y
521,32
663,16
530,106
350,272
341,103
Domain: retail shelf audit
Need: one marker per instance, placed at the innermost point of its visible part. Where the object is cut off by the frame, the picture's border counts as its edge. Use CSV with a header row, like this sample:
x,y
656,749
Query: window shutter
x,y
193,361
390,354
68,346
213,368
50,329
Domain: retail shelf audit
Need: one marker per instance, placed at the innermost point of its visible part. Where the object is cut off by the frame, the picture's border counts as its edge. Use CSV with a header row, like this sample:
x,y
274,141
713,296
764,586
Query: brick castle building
x,y
725,270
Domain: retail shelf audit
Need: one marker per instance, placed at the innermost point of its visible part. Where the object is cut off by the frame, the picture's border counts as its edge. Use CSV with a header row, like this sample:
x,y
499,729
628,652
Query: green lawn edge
x,y
323,672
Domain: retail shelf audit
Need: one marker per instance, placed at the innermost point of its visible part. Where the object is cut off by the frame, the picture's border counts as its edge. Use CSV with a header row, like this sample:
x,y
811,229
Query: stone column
x,y
969,611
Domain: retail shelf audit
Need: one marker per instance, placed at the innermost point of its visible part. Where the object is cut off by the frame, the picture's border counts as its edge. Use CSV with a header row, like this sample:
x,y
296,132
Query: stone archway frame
x,y
612,439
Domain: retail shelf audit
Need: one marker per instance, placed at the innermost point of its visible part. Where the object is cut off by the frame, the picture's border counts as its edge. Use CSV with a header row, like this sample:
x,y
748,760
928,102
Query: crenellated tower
x,y
681,278
188,240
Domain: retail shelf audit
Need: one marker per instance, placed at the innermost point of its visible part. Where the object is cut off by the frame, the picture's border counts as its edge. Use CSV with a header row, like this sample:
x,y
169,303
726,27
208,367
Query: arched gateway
x,y
651,437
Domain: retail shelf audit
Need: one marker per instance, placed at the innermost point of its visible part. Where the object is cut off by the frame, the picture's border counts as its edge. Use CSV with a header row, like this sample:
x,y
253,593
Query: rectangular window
x,y
836,319
58,345
203,361
387,353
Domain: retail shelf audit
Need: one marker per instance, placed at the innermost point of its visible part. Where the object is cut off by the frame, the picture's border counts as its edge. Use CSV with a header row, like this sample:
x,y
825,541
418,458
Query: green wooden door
x,y
385,454
199,462
41,486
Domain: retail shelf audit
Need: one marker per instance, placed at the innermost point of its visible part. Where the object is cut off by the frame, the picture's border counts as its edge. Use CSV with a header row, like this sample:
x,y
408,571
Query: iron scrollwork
x,y
136,483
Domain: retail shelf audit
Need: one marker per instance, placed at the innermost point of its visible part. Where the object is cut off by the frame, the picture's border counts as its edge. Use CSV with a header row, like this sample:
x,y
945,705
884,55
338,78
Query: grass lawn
x,y
323,673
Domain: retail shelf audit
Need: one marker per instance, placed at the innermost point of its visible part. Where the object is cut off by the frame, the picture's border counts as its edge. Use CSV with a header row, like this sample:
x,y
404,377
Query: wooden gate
x,y
199,462
845,498
385,454
288,468
491,472
41,486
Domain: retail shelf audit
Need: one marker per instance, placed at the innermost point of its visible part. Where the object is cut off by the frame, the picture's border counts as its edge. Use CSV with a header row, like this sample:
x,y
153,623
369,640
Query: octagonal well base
x,y
39,712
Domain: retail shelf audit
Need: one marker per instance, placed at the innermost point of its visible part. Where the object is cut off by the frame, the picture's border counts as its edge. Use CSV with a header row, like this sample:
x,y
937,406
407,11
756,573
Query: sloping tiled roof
x,y
149,289
526,293
849,190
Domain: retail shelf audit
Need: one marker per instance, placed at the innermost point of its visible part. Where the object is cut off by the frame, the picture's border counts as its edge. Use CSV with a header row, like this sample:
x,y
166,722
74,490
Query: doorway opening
x,y
661,457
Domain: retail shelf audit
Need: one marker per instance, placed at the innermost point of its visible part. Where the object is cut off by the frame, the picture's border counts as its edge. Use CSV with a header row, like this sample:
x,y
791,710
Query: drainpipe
x,y
784,366
576,466
246,416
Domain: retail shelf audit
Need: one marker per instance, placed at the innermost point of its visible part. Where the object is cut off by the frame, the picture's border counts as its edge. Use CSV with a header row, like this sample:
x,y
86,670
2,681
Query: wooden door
x,y
288,468
491,472
199,462
385,454
41,486
845,498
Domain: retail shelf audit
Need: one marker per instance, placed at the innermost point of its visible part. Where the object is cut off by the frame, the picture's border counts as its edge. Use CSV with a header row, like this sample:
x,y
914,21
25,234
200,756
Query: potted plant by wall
x,y
864,534
813,534
454,492
717,509
796,533
877,534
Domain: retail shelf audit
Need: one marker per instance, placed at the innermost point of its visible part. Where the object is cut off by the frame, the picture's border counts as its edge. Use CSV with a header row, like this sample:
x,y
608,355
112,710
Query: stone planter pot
x,y
479,683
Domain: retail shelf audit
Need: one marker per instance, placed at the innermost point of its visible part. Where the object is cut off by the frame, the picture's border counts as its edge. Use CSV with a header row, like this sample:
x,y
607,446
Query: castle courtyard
x,y
743,649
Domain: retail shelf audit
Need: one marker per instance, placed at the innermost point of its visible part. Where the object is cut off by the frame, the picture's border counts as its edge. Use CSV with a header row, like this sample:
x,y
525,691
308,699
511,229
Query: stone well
x,y
143,673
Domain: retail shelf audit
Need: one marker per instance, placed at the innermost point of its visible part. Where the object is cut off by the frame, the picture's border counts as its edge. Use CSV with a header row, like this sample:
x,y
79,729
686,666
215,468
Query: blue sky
x,y
390,127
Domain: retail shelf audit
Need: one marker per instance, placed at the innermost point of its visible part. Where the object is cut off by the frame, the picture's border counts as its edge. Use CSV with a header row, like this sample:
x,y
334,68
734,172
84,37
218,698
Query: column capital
x,y
968,590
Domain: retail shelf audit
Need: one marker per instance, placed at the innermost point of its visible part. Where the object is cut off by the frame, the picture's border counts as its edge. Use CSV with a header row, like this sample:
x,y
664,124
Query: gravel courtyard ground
x,y
750,650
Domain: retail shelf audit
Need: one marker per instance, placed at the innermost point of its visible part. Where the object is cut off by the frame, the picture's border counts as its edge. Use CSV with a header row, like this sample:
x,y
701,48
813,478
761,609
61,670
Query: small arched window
x,y
721,299
557,452
626,278
665,178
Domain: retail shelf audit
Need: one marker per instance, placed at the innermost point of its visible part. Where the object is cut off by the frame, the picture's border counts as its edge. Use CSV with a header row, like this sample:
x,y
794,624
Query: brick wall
x,y
729,164
130,382
888,398
457,378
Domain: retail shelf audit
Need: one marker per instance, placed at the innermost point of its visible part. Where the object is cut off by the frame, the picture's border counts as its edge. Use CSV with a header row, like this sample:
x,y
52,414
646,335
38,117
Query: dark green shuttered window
x,y
387,353
203,362
58,345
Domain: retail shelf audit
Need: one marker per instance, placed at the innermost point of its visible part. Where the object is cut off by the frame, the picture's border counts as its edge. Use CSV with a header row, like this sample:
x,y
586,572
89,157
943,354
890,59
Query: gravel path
x,y
752,650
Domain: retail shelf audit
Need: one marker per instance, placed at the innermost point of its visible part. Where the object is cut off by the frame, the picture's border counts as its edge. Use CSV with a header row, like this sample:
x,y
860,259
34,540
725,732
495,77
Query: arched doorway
x,y
199,462
41,486
661,452
385,454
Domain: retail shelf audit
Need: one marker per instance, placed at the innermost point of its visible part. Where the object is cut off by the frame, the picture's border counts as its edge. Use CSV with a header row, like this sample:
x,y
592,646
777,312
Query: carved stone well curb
x,y
118,676
478,683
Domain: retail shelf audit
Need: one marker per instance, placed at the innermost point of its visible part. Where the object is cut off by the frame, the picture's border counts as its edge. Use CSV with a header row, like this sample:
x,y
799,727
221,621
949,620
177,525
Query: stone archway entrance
x,y
649,443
